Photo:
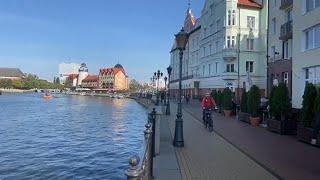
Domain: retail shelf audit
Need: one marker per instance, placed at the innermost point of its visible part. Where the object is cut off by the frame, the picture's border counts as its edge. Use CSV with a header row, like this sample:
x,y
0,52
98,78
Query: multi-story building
x,y
91,82
113,78
65,69
229,50
280,43
306,47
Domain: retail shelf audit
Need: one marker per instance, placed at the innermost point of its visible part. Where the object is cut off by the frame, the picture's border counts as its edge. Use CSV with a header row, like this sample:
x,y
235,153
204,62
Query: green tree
x,y
227,99
6,83
244,100
18,84
317,102
135,85
280,102
254,101
307,112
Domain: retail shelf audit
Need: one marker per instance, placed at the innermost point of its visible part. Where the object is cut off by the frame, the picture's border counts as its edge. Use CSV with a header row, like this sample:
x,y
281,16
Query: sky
x,y
37,35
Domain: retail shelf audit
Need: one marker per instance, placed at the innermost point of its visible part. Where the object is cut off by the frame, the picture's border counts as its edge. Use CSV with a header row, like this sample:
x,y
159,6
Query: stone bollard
x,y
133,173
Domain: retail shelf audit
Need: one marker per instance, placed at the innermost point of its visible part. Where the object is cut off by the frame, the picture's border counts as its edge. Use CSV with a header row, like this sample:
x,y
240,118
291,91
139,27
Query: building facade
x,y
65,69
280,43
113,78
90,82
306,47
11,73
227,46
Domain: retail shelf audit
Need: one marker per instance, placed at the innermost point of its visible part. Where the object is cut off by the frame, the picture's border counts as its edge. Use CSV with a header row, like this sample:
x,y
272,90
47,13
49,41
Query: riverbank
x,y
16,90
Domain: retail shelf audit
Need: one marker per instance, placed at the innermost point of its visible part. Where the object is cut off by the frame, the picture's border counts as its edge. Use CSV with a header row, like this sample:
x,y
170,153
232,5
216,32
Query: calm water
x,y
68,138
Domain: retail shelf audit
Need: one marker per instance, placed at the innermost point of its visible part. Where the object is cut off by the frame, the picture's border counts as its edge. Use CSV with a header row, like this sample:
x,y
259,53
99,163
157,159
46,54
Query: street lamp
x,y
165,89
169,70
181,41
157,76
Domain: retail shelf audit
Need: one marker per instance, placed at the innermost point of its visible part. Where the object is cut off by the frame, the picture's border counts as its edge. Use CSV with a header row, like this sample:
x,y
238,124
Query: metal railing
x,y
143,169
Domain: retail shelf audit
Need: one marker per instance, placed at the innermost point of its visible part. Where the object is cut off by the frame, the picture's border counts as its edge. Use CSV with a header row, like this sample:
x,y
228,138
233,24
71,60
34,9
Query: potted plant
x,y
227,102
253,105
304,130
280,108
243,114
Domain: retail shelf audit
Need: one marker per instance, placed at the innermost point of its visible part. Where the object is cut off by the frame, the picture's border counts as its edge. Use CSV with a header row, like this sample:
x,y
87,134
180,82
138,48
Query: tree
x,y
254,101
280,102
227,99
18,84
135,85
307,113
244,99
6,83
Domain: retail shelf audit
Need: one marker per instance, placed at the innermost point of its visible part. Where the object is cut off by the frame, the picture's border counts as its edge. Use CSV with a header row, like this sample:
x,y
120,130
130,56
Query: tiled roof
x,y
72,76
249,3
112,70
91,78
11,72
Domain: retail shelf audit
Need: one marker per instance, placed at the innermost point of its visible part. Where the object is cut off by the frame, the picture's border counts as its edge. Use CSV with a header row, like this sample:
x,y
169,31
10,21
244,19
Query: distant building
x,y
66,69
11,73
113,78
91,82
83,73
71,81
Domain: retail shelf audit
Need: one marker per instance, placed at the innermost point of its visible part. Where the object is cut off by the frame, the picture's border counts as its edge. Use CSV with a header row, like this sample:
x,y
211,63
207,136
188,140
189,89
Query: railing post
x,y
133,173
153,131
148,139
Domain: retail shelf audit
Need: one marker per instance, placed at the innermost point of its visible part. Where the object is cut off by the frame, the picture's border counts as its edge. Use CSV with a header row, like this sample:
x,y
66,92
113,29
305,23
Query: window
x,y
274,26
209,67
233,17
230,68
204,51
287,46
203,70
312,37
205,32
233,41
210,49
228,42
218,22
285,77
274,3
229,17
250,44
216,67
289,15
249,66
311,4
217,46
313,75
251,22
211,10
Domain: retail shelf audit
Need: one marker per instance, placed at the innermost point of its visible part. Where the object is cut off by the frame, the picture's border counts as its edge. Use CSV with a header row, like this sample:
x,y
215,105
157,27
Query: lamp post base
x,y
178,133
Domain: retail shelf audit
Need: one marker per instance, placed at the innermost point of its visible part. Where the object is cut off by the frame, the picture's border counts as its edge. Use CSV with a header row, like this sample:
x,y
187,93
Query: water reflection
x,y
69,137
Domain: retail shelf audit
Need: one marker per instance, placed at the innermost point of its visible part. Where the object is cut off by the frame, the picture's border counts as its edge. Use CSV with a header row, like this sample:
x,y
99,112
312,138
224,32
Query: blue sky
x,y
38,35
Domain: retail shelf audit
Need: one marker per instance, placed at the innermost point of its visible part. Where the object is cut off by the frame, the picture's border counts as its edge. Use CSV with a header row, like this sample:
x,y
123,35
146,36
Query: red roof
x,y
72,76
91,78
249,3
112,70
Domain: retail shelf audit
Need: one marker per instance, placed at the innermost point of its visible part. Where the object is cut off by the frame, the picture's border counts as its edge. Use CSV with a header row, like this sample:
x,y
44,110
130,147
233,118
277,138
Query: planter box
x,y
244,117
304,134
285,127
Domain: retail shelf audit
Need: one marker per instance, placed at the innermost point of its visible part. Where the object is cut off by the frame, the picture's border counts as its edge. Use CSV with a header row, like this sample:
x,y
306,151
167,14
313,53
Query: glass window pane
x,y
317,36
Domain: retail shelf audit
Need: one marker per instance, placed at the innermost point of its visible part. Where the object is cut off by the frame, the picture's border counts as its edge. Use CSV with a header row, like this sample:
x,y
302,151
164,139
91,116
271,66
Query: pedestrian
x,y
187,98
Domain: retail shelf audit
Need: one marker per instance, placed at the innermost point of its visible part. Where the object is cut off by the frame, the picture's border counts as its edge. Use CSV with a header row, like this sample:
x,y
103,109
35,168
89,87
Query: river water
x,y
71,137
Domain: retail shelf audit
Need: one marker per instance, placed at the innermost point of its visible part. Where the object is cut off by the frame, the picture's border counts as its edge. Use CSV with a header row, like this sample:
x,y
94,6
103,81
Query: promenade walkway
x,y
208,156
282,155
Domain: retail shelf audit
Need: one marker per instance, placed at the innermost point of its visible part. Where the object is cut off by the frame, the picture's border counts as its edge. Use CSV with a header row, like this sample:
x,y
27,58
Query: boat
x,y
47,95
82,94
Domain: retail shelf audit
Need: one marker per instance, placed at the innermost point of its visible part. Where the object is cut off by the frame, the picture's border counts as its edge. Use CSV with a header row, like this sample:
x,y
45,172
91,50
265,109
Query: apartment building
x,y
306,47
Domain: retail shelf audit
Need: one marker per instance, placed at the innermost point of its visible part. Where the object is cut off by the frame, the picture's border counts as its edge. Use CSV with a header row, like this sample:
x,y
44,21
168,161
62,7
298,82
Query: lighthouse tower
x,y
83,73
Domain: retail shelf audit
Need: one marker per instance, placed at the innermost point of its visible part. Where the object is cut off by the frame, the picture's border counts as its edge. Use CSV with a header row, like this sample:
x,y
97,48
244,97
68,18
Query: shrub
x,y
227,99
271,99
219,99
308,107
317,102
280,102
214,94
254,101
244,100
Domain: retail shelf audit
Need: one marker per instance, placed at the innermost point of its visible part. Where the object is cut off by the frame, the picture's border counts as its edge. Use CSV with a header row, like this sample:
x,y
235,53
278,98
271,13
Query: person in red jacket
x,y
207,103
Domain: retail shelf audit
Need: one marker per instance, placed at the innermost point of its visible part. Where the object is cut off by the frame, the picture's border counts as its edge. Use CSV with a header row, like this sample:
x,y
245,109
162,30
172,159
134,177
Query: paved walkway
x,y
209,156
283,155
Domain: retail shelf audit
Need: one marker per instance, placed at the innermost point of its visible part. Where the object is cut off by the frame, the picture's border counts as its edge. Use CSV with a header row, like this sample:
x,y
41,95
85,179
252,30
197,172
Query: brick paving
x,y
209,156
283,156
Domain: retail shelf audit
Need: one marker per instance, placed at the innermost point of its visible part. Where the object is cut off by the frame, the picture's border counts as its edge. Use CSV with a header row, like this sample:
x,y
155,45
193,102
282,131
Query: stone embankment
x,y
16,90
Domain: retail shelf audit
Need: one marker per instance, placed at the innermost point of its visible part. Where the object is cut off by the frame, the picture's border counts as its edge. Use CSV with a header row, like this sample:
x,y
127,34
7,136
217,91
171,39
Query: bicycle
x,y
208,123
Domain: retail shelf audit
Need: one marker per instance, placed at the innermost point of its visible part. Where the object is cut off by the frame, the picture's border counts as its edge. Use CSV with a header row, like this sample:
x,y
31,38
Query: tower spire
x,y
189,4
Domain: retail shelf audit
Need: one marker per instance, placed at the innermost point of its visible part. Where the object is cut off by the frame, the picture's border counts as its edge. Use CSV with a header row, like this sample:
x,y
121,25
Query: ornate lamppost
x,y
169,70
157,76
181,40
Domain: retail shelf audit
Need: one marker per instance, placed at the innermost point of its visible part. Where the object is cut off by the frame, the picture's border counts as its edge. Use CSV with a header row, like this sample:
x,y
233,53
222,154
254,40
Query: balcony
x,y
286,31
285,4
229,54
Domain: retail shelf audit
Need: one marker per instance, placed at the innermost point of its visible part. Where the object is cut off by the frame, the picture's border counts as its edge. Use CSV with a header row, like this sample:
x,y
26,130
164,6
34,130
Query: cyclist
x,y
207,103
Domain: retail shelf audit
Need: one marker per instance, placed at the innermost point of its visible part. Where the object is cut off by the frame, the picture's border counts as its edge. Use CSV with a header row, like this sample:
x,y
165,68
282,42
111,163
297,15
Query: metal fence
x,y
143,169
